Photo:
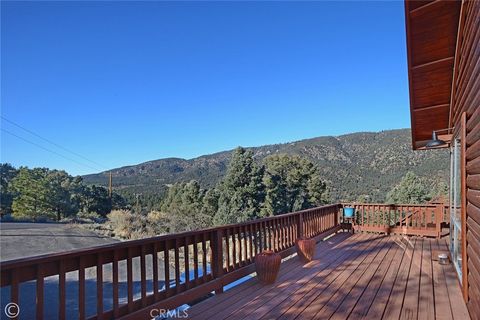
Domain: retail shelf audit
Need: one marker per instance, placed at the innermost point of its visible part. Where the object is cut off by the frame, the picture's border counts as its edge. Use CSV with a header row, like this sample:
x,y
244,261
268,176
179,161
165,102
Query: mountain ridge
x,y
353,165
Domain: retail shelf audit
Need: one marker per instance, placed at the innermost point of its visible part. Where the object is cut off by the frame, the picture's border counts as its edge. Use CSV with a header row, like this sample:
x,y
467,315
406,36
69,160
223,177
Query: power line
x,y
46,149
53,143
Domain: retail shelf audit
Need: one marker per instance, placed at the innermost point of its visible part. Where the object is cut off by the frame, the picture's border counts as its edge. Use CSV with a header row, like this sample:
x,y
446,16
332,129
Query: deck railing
x,y
129,279
409,219
132,278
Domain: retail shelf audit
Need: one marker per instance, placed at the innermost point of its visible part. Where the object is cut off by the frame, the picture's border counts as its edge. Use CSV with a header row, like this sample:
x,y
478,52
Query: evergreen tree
x,y
61,190
241,190
7,173
182,209
292,183
95,199
52,194
411,189
30,188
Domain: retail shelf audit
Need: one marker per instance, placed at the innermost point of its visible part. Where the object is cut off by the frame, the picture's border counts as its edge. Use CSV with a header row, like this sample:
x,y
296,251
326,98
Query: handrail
x,y
192,264
413,219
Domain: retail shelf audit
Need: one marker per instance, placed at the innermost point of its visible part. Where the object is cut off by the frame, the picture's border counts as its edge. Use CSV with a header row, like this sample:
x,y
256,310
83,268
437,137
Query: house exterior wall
x,y
465,116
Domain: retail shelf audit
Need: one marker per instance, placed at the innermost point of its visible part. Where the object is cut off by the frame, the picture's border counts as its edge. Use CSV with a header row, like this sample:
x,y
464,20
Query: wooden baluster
x,y
81,289
40,292
322,218
261,237
238,234
325,220
280,233
300,225
314,224
320,221
414,217
155,270
177,266
314,229
281,223
275,235
289,230
166,266
115,284
266,231
129,280
243,240
186,250
319,218
99,287
286,227
143,276
307,224
227,248
234,249
251,236
363,215
14,288
268,240
407,219
255,239
438,220
61,290
195,258
204,259
417,216
384,216
245,243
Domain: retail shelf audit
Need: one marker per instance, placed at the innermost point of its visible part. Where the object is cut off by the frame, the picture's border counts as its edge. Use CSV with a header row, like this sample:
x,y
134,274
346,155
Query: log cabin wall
x,y
465,114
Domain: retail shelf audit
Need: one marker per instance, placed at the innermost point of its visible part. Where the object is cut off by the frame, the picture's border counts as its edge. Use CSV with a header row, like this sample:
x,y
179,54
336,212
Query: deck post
x,y
217,257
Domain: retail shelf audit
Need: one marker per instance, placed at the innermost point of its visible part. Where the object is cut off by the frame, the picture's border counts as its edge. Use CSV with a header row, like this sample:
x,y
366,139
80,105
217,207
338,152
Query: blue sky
x,y
125,82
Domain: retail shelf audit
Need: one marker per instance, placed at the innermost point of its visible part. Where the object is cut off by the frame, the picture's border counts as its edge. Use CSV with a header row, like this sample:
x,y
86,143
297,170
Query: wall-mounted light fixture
x,y
436,142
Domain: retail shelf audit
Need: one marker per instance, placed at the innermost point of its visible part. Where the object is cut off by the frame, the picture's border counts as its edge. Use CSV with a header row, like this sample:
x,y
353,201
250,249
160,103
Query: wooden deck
x,y
357,276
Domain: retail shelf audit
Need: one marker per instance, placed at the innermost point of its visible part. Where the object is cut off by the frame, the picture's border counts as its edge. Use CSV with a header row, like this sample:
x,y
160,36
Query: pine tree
x,y
292,183
411,189
241,190
7,173
31,194
183,208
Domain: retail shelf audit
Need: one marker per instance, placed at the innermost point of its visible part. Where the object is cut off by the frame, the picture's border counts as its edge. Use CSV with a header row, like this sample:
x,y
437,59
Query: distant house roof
x,y
432,28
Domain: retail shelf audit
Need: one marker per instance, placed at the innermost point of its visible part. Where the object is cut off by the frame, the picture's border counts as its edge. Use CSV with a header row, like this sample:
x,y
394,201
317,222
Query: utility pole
x,y
110,185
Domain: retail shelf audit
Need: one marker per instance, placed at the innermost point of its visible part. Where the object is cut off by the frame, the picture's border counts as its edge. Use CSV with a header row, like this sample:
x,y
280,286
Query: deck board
x,y
360,276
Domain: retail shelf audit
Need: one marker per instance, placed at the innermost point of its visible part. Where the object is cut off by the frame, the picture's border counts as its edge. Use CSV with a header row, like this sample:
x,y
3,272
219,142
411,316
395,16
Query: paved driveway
x,y
19,240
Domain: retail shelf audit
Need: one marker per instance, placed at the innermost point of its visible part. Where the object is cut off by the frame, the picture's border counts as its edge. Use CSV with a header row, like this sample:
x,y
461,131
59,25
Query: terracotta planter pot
x,y
267,264
305,249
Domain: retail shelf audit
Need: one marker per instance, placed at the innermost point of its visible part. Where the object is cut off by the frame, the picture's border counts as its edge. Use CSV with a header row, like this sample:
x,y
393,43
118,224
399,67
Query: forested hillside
x,y
357,166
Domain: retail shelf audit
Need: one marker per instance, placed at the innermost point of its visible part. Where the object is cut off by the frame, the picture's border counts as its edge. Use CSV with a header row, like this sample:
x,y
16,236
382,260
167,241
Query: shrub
x,y
127,225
